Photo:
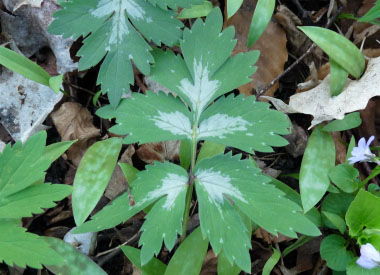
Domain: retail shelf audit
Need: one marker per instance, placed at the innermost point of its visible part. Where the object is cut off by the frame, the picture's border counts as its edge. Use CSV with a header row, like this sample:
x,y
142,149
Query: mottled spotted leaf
x,y
224,184
93,175
113,29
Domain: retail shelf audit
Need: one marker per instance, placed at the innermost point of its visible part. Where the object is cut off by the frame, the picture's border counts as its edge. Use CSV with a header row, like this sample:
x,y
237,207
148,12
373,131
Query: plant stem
x,y
191,182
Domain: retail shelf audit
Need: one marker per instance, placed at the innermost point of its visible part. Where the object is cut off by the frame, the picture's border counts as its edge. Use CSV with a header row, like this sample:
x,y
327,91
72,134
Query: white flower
x,y
362,152
369,256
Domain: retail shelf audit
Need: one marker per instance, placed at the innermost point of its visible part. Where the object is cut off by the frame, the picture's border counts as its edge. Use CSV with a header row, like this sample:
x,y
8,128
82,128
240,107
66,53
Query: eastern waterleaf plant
x,y
24,193
113,31
228,188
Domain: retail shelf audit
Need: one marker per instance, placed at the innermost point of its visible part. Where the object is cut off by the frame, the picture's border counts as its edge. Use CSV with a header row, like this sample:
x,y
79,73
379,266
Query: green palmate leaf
x,y
129,171
345,177
338,78
167,184
23,66
207,71
176,3
363,212
23,165
272,261
243,123
74,262
349,121
93,174
334,252
317,161
164,118
185,153
32,199
233,6
337,47
261,17
113,35
334,208
223,183
225,267
20,248
153,267
196,11
190,255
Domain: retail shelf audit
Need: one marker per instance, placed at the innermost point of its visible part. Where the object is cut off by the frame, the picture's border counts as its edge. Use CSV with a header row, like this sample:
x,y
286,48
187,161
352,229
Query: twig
x,y
274,81
114,251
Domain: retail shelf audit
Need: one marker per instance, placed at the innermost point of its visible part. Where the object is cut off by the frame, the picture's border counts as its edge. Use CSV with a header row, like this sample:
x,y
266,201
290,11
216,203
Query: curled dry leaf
x,y
273,40
32,3
73,121
318,102
160,151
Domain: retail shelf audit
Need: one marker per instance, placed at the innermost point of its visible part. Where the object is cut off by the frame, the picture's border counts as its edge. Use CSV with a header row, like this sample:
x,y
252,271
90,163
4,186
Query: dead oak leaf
x,y
318,102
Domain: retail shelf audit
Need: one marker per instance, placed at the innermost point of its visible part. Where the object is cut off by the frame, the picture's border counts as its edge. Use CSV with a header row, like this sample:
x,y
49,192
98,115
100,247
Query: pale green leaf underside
x,y
93,175
74,262
109,23
32,199
21,248
207,71
224,179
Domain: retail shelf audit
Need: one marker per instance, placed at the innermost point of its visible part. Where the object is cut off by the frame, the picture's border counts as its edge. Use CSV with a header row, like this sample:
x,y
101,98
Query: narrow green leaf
x,y
21,248
336,204
272,261
233,6
363,212
373,15
23,66
32,200
261,17
298,243
95,98
337,47
317,161
349,121
185,153
130,172
93,175
196,11
225,267
74,261
336,220
351,145
345,177
55,83
153,267
210,149
338,78
189,256
374,173
334,252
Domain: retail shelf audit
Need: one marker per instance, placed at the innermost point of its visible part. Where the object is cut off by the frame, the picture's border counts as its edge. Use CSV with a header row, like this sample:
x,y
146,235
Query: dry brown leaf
x,y
269,238
273,40
160,151
210,264
297,141
73,121
118,183
340,149
318,102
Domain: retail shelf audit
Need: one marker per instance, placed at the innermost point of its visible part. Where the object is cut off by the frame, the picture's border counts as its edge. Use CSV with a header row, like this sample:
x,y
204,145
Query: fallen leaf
x,y
273,40
159,151
24,105
32,3
73,121
297,141
269,238
340,149
2,146
318,102
210,264
118,183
